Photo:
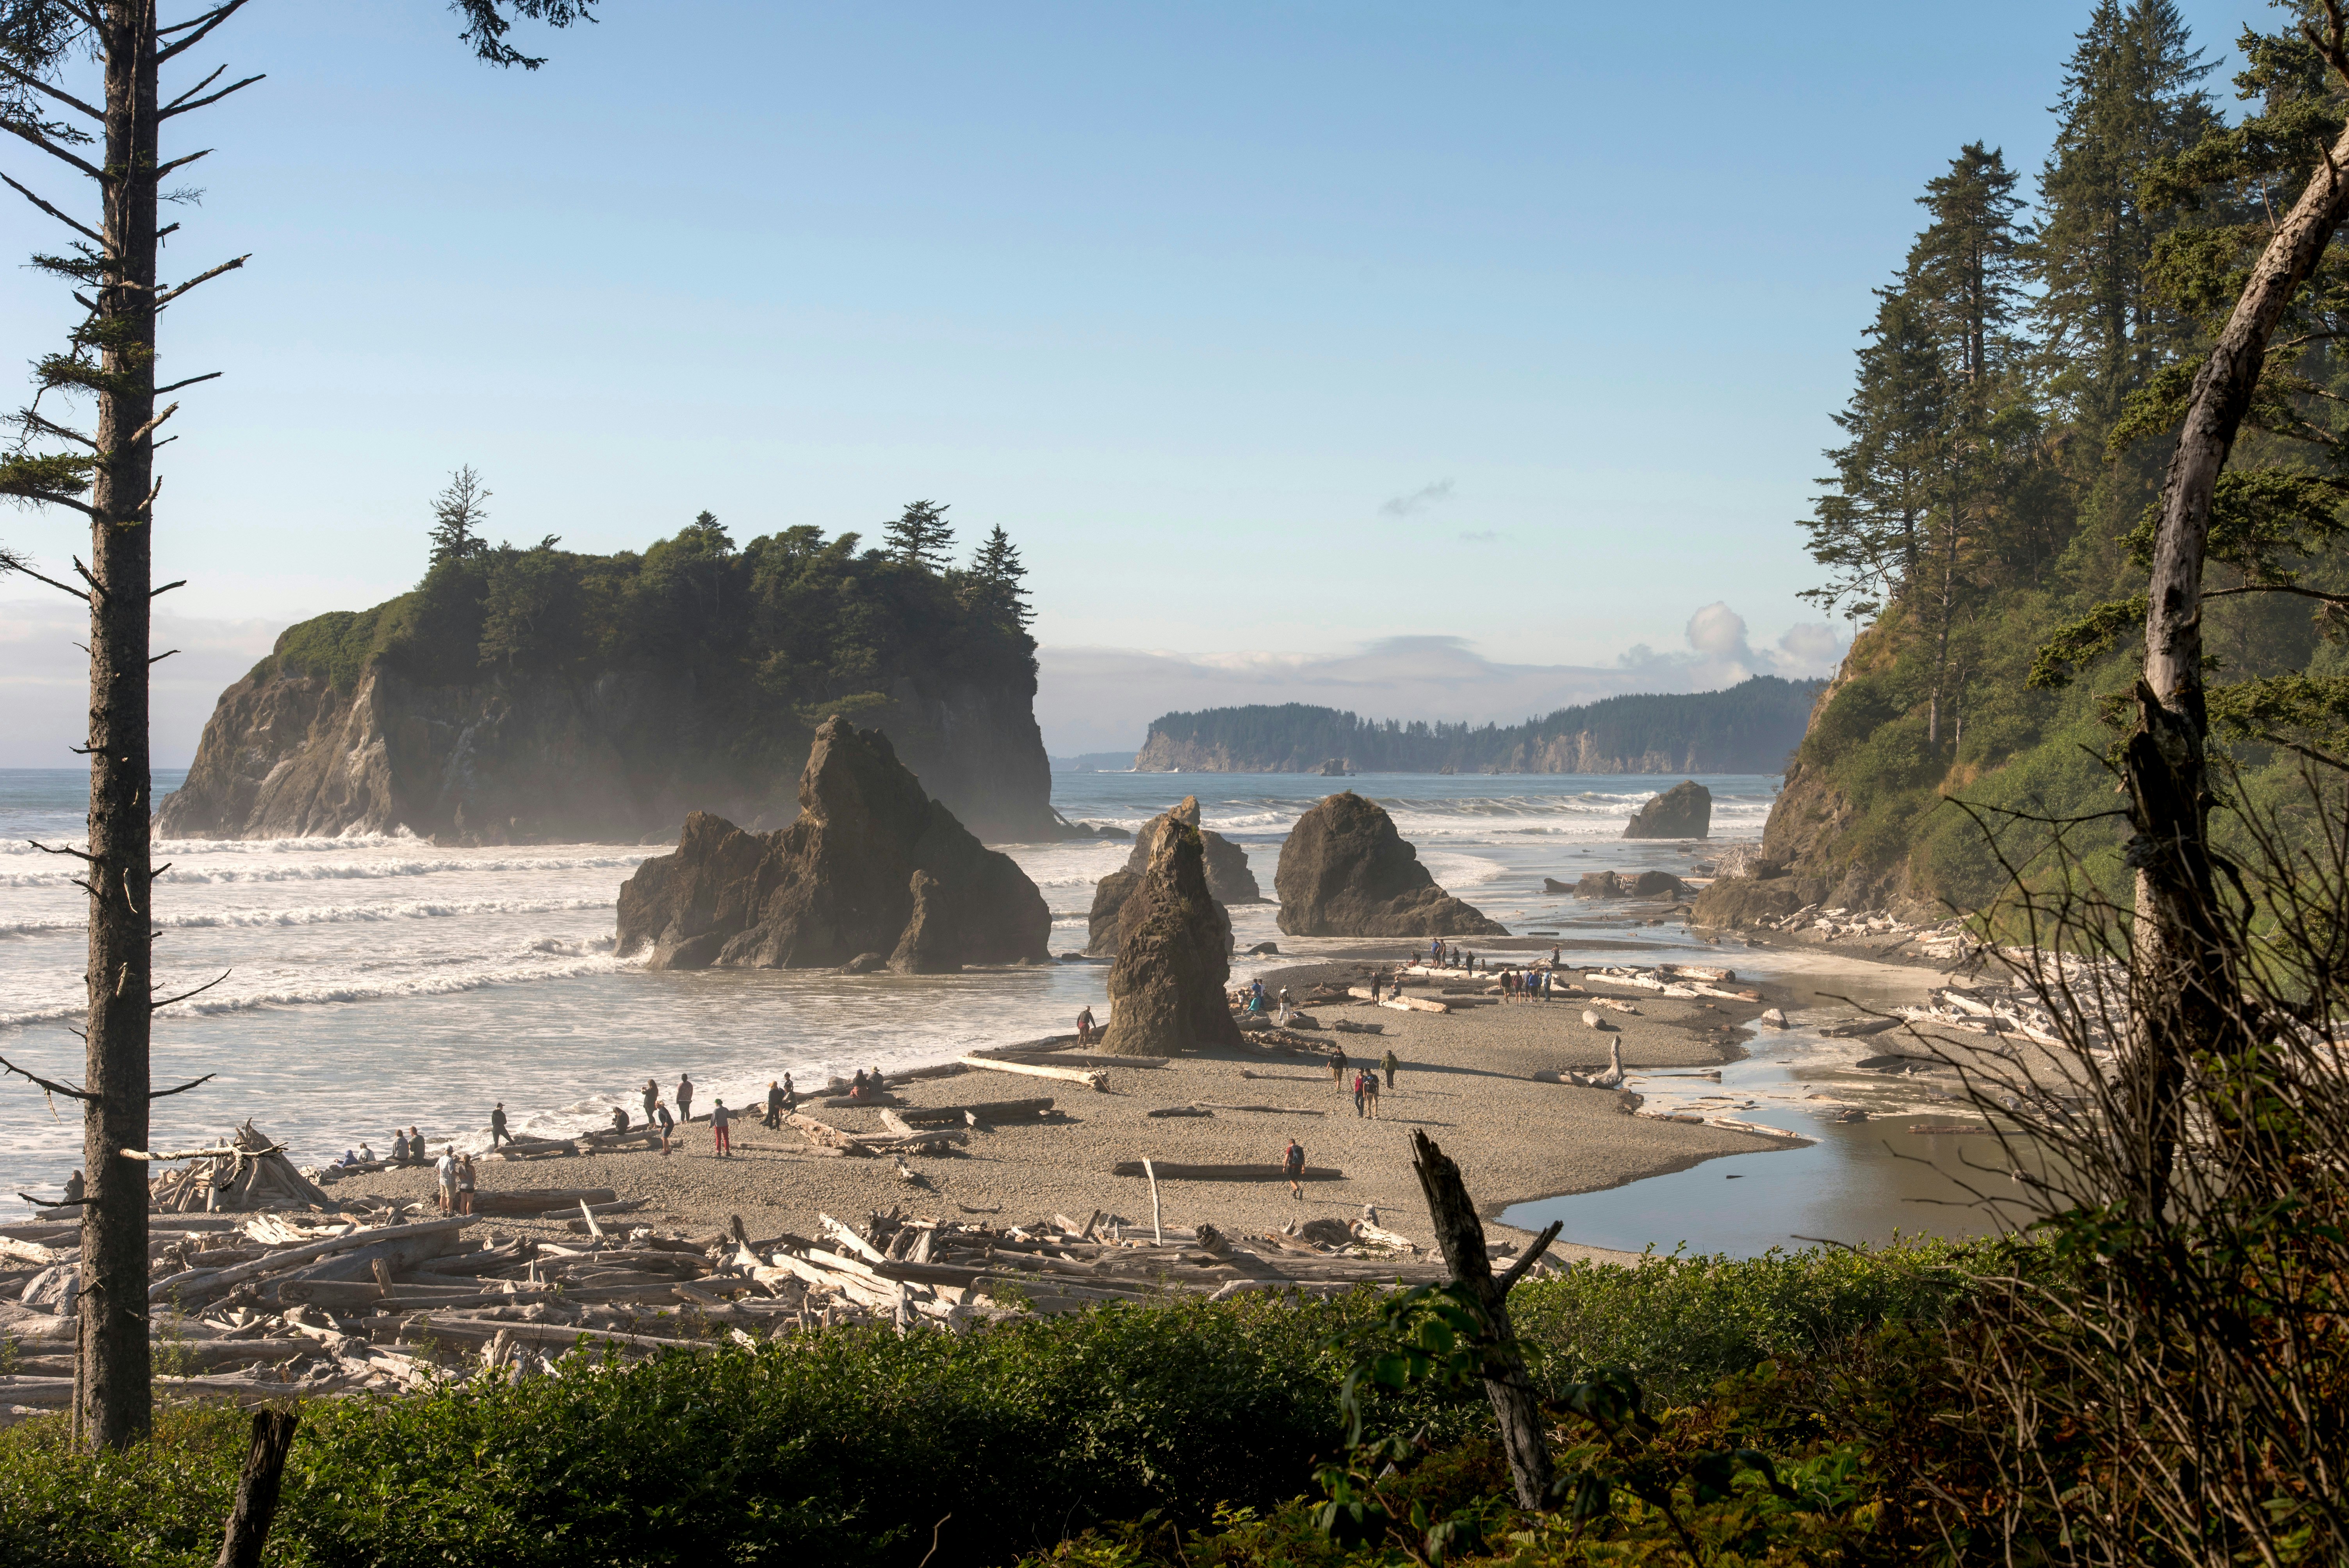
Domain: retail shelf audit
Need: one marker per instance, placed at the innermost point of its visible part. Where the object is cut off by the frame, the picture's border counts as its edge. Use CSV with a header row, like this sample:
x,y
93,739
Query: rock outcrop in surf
x,y
1174,945
1229,880
1345,871
1682,811
872,865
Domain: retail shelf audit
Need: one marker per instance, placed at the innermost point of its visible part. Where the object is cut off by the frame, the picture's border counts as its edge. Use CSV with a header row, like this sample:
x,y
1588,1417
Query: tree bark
x,y
119,1388
1461,1235
2183,963
256,1489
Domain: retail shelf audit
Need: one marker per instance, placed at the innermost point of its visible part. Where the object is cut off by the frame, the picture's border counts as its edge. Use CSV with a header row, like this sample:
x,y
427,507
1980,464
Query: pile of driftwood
x,y
258,1308
953,1273
249,1172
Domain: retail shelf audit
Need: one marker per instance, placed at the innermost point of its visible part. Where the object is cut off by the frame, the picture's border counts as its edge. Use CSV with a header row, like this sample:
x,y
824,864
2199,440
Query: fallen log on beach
x,y
521,1201
1225,1172
985,1111
1092,1077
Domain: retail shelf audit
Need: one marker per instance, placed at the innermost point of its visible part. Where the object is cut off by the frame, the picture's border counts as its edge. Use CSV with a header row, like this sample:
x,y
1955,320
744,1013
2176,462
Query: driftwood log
x,y
1224,1172
1092,1077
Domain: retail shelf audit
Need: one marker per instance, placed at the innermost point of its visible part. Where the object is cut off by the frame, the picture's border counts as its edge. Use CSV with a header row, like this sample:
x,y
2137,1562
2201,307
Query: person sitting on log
x,y
856,1085
620,1120
399,1147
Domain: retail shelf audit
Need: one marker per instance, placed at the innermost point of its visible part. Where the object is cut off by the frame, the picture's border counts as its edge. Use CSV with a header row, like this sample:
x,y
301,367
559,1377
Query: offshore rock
x,y
1174,944
1345,871
839,883
1682,811
1229,880
616,757
924,947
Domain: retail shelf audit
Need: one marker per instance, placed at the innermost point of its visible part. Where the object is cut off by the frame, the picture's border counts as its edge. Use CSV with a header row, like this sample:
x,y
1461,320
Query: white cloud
x,y
1418,500
45,679
1102,699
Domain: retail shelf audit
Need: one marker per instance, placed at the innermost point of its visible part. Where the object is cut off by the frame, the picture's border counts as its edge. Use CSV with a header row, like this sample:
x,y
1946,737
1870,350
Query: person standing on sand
x,y
684,1097
447,1170
668,1125
790,1094
1371,1094
774,1103
1358,1093
1085,1027
465,1185
498,1133
1338,1066
1390,1064
652,1097
719,1120
1292,1161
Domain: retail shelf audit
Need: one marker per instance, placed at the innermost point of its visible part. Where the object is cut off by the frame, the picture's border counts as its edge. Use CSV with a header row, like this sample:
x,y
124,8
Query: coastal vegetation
x,y
850,1446
1747,728
1990,515
782,631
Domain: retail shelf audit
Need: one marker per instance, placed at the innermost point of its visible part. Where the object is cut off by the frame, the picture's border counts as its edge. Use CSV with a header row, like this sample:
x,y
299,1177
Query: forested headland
x,y
1752,728
530,691
1988,515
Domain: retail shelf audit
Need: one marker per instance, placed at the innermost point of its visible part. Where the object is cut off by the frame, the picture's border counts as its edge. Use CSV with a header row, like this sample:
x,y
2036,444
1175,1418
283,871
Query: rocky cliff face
x,y
617,757
1166,988
872,865
1345,871
1229,880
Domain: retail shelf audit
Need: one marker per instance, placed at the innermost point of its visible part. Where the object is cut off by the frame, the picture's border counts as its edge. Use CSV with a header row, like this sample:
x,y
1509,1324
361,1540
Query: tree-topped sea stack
x,y
1345,871
838,881
1682,811
1174,945
1229,881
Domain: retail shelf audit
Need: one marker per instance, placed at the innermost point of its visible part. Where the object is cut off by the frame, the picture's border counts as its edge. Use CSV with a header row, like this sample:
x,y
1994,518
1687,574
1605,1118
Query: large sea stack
x,y
1174,945
872,865
1345,871
1682,811
1229,881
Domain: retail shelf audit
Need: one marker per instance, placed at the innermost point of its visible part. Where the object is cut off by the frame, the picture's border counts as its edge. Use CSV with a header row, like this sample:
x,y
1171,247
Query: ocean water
x,y
372,982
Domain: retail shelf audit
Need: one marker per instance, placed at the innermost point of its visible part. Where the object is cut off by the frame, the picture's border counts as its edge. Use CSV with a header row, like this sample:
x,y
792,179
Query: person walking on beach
x,y
684,1097
465,1185
774,1104
1371,1094
668,1125
719,1121
447,1170
1389,1063
1338,1066
1292,1161
498,1133
1358,1077
1085,1027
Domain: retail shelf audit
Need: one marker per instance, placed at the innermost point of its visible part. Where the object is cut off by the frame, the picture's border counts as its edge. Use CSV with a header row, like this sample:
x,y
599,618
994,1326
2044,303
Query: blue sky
x,y
1288,341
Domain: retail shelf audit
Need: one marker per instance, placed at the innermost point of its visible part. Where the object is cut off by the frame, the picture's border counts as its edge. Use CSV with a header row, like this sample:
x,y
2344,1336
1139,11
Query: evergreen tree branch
x,y
92,235
208,102
168,295
202,26
31,134
39,85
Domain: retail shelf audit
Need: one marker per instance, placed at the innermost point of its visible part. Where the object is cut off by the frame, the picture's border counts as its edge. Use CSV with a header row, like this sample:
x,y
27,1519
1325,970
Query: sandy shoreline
x,y
1466,1080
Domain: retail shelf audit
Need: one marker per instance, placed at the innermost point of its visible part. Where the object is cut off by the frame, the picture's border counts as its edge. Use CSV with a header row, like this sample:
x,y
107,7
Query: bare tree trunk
x,y
2183,960
119,1388
256,1489
1462,1237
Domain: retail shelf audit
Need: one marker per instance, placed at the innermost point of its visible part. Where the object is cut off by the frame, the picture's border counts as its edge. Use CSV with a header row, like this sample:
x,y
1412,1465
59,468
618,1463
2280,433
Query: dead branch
x,y
168,1001
168,295
206,102
50,1086
87,232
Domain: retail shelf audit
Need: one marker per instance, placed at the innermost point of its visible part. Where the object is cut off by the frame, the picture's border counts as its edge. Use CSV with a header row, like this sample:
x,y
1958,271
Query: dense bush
x,y
849,1445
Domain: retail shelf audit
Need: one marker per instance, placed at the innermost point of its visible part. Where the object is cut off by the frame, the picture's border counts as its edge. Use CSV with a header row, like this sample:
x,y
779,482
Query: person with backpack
x,y
1292,1161
1369,1098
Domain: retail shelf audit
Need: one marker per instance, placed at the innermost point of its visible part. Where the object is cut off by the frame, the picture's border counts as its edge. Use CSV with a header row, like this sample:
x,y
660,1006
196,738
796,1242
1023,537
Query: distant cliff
x,y
540,695
1748,728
